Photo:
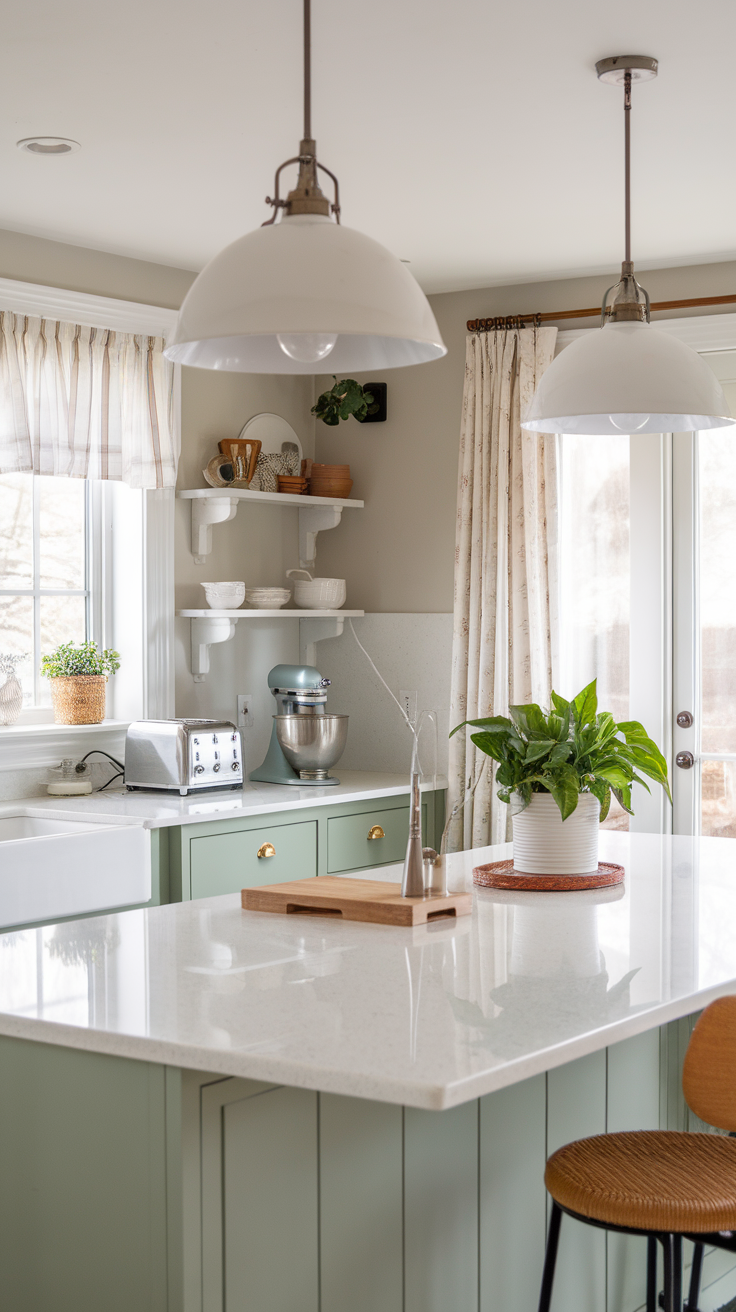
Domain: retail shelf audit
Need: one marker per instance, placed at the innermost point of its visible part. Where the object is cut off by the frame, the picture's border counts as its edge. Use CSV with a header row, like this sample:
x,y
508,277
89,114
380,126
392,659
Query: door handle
x,y
375,832
685,760
266,849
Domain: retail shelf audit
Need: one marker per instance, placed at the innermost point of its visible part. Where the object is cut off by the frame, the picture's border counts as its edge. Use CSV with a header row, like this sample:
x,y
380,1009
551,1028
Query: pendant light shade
x,y
275,300
627,378
306,294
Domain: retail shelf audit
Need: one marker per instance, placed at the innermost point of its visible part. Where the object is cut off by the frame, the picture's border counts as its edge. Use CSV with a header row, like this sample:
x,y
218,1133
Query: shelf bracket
x,y
313,631
311,522
204,633
207,511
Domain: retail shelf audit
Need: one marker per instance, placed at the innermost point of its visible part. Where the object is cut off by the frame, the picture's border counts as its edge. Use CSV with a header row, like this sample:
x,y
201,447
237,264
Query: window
x,y
88,559
595,575
46,571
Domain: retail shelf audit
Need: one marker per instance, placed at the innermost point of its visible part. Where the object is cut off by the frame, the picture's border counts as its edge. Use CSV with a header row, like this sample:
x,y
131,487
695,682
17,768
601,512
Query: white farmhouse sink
x,y
51,868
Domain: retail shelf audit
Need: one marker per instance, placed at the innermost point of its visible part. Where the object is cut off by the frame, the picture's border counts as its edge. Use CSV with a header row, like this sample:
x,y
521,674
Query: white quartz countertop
x,y
157,810
430,1016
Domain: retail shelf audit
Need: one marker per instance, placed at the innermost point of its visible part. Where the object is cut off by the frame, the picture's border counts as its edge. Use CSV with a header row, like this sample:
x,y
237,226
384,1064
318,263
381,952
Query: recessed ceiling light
x,y
48,145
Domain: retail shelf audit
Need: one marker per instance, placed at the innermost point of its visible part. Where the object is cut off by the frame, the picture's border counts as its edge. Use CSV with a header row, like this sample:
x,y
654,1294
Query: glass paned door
x,y
704,647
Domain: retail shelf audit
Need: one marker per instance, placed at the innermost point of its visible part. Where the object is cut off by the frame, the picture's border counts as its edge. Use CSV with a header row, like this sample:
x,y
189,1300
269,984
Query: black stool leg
x,y
651,1274
696,1272
676,1272
667,1247
550,1258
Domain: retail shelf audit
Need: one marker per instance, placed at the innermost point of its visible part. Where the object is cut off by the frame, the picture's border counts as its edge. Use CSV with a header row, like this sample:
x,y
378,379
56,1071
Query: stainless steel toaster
x,y
183,755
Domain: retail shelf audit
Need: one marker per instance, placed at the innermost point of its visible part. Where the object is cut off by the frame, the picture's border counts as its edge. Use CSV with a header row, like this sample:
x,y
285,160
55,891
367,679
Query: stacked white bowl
x,y
224,596
267,598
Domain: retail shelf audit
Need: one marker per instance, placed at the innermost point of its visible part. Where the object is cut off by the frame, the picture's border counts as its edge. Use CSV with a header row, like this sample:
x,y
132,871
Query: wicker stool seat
x,y
663,1184
648,1180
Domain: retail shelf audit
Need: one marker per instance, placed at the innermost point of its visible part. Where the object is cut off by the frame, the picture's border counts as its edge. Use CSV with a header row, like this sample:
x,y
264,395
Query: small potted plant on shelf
x,y
346,398
558,769
78,677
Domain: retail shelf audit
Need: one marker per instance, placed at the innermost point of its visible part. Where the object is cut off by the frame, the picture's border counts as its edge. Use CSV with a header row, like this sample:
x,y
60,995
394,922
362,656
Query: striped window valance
x,y
81,402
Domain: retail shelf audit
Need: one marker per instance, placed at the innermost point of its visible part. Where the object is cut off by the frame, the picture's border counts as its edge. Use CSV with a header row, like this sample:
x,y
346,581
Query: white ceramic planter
x,y
544,844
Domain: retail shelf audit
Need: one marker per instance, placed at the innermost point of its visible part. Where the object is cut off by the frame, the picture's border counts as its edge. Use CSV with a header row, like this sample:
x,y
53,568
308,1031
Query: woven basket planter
x,y
79,698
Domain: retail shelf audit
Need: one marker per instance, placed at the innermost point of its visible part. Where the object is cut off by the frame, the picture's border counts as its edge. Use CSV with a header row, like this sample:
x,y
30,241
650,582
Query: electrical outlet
x,y
245,711
409,702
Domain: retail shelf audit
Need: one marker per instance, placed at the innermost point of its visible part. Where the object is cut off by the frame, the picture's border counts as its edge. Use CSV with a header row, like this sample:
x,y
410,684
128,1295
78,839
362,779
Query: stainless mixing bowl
x,y
312,744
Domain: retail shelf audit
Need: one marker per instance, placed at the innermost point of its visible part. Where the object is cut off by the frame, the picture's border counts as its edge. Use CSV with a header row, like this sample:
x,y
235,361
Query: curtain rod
x,y
518,320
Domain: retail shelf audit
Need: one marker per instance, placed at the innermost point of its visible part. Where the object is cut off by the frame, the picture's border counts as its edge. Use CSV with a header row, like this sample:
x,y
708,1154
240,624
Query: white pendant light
x,y
306,294
628,377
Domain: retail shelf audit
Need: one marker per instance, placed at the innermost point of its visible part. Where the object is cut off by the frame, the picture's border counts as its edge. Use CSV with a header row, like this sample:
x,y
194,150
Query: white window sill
x,y
29,746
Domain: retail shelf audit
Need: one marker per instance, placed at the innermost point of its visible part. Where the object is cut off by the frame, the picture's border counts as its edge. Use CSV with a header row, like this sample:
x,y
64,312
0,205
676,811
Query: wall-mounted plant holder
x,y
378,391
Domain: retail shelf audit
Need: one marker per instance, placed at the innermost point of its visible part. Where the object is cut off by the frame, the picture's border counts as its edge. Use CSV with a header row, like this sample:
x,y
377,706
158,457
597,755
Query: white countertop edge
x,y
91,806
427,1097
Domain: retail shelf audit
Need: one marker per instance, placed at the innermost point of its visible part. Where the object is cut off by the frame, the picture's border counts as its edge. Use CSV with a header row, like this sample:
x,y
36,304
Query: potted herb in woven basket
x,y
78,677
558,769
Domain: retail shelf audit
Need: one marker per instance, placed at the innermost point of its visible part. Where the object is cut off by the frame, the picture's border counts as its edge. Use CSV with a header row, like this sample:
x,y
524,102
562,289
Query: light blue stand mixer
x,y
305,741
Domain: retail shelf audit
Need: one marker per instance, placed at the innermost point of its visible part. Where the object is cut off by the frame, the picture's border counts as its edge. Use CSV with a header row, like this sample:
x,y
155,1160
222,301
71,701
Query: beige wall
x,y
398,553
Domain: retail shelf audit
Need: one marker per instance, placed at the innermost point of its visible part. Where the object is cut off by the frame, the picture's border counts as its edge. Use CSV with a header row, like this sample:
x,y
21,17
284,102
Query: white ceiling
x,y
470,137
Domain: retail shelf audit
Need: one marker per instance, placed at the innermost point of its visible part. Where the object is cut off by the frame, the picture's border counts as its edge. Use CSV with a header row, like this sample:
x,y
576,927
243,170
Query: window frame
x,y
147,610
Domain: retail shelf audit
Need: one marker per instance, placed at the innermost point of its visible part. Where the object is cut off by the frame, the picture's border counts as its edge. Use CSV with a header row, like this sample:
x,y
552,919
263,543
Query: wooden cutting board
x,y
371,900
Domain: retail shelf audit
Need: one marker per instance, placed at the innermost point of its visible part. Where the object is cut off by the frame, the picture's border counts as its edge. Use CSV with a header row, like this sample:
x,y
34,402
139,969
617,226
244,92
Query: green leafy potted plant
x,y
558,770
346,398
78,675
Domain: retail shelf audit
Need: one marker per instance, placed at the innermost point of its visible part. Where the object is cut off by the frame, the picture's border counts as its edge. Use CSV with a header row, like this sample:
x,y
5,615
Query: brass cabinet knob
x,y
376,832
266,849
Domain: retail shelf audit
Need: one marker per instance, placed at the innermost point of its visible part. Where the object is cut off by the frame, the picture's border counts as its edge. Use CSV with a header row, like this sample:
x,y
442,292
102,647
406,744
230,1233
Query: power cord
x,y
97,751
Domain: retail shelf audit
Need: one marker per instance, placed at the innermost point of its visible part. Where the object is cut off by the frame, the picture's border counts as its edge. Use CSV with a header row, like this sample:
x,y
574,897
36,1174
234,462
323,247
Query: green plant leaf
x,y
623,797
564,787
490,744
585,705
538,748
602,791
490,722
530,720
561,706
560,753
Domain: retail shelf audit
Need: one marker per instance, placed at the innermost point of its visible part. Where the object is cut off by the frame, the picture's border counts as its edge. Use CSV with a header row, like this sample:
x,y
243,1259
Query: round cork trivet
x,y
501,874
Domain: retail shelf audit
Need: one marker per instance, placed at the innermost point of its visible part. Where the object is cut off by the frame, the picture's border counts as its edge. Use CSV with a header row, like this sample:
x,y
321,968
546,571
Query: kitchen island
x,y
204,1108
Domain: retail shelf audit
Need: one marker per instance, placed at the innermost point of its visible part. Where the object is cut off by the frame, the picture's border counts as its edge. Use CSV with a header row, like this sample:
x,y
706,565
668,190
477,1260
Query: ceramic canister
x,y
544,844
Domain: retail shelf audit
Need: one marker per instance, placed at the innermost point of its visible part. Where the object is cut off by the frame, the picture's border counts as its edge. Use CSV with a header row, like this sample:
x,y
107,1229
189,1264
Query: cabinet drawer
x,y
350,848
225,863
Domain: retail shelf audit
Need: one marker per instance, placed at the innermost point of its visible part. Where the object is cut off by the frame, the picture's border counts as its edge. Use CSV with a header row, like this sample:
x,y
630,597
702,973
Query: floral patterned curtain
x,y
506,614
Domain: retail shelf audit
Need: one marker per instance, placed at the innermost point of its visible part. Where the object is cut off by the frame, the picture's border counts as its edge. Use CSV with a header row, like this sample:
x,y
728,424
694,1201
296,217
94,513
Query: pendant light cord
x,y
627,160
307,69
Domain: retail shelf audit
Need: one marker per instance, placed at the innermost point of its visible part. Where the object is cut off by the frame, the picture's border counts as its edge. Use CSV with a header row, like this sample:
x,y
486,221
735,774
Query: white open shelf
x,y
211,626
281,613
217,505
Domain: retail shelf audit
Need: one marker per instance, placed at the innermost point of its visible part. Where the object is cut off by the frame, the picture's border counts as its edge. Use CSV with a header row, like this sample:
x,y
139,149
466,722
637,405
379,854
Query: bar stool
x,y
661,1184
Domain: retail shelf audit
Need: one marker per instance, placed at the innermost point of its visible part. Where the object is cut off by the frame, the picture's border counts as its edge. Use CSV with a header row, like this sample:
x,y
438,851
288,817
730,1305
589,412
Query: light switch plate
x,y
245,711
409,702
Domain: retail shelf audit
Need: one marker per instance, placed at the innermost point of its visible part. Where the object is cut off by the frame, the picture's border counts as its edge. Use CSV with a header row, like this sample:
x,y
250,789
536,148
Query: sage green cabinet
x,y
221,855
130,1185
225,863
377,838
